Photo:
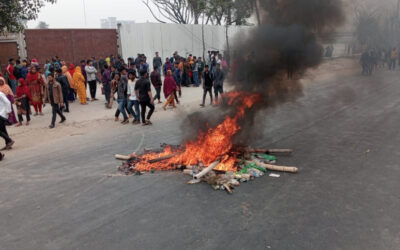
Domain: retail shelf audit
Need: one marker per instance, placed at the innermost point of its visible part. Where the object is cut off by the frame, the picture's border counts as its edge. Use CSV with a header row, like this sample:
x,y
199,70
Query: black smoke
x,y
272,57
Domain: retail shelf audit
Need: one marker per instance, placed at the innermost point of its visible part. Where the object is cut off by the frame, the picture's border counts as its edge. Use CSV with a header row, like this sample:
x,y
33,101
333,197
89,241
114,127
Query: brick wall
x,y
7,50
71,45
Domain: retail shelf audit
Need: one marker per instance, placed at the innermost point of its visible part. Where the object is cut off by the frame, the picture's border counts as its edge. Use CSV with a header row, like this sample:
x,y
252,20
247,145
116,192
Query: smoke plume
x,y
273,56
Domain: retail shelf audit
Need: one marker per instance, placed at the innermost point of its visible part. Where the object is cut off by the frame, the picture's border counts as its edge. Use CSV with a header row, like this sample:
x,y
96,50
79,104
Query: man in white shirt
x,y
5,110
91,73
133,101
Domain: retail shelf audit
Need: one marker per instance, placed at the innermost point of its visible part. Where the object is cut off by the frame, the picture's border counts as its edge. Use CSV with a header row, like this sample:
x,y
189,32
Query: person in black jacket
x,y
143,92
207,85
63,80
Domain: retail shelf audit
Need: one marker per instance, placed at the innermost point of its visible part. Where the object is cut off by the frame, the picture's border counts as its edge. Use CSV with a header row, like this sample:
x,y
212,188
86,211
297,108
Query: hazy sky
x,y
70,14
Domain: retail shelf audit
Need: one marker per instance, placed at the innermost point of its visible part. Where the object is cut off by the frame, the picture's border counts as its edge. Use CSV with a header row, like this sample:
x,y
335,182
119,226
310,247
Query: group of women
x,y
30,92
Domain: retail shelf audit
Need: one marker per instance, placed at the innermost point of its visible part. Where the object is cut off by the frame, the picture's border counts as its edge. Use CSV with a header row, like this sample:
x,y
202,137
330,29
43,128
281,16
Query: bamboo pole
x,y
163,158
123,157
274,167
206,170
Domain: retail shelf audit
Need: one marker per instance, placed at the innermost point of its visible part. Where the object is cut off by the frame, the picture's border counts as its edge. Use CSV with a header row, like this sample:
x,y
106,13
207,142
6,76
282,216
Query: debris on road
x,y
228,171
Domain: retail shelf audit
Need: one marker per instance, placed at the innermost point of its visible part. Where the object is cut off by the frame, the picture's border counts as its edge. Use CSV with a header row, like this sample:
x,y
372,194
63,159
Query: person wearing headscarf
x,y
23,98
35,83
71,69
169,90
5,89
5,109
79,81
35,62
72,91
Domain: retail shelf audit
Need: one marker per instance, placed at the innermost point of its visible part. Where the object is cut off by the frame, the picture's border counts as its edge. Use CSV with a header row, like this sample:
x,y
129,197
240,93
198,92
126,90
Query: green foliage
x,y
13,13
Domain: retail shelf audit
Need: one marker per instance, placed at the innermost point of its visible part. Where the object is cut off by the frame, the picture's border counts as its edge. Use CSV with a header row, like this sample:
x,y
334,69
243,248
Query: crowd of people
x,y
373,59
25,84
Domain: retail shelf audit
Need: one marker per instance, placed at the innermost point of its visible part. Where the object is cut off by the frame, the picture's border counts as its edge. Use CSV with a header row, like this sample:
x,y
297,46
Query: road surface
x,y
65,194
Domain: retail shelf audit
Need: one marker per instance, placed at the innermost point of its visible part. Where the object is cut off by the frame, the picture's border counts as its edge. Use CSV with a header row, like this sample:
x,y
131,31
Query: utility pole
x,y
84,12
202,38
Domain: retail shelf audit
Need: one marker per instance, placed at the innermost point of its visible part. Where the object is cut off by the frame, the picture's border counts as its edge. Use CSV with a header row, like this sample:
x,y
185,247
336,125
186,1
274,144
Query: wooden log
x,y
207,170
279,151
274,167
269,151
163,158
188,171
123,157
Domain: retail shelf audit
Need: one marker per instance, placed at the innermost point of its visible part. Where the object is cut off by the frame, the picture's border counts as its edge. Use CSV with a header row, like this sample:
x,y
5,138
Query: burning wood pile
x,y
241,164
212,157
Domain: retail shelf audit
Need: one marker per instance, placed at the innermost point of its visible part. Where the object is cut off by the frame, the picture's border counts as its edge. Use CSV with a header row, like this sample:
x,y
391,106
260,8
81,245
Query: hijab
x,y
23,89
5,88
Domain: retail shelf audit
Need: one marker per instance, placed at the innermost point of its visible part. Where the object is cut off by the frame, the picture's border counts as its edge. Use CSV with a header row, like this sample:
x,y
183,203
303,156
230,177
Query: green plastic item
x,y
252,165
153,171
266,157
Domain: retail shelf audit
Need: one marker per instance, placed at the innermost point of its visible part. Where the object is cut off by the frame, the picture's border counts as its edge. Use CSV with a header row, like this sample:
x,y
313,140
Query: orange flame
x,y
209,146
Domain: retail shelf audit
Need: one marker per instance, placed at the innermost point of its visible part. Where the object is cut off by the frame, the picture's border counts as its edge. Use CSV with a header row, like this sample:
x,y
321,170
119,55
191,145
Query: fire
x,y
210,145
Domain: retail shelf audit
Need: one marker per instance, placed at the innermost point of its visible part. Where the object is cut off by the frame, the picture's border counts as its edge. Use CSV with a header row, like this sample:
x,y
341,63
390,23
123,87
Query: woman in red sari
x,y
10,96
35,84
22,99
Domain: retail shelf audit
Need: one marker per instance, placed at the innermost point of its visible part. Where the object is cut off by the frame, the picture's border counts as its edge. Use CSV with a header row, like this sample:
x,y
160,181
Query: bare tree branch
x,y
148,6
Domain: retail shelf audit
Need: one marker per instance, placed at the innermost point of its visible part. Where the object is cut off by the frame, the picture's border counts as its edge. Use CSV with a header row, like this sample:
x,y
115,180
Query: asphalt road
x,y
346,196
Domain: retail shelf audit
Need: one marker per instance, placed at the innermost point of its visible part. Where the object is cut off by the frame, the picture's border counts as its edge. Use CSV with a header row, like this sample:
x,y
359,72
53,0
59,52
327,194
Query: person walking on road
x,y
143,91
122,92
133,101
53,94
5,110
155,78
23,99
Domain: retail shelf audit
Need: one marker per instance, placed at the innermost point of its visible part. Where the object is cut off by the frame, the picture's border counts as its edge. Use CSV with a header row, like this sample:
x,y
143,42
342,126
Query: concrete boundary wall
x,y
148,38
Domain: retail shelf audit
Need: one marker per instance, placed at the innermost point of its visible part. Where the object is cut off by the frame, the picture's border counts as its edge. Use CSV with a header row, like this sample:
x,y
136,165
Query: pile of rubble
x,y
248,165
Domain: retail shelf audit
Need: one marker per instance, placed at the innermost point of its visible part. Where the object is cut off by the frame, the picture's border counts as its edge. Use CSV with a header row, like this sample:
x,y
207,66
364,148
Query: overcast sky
x,y
70,13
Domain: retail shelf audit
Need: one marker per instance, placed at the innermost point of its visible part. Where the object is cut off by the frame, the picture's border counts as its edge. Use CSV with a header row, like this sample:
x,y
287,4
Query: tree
x,y
217,12
13,13
42,25
176,11
376,24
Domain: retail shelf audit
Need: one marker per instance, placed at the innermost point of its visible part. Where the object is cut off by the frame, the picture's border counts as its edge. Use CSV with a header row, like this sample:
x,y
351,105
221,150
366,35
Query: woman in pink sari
x,y
35,84
10,96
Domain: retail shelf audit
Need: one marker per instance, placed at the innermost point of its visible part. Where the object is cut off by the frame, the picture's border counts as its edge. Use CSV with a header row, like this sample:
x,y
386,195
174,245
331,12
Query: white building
x,y
112,22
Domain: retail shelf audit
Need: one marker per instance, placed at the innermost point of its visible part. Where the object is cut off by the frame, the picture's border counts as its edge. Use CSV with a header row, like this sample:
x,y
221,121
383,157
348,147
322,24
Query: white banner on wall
x,y
148,38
